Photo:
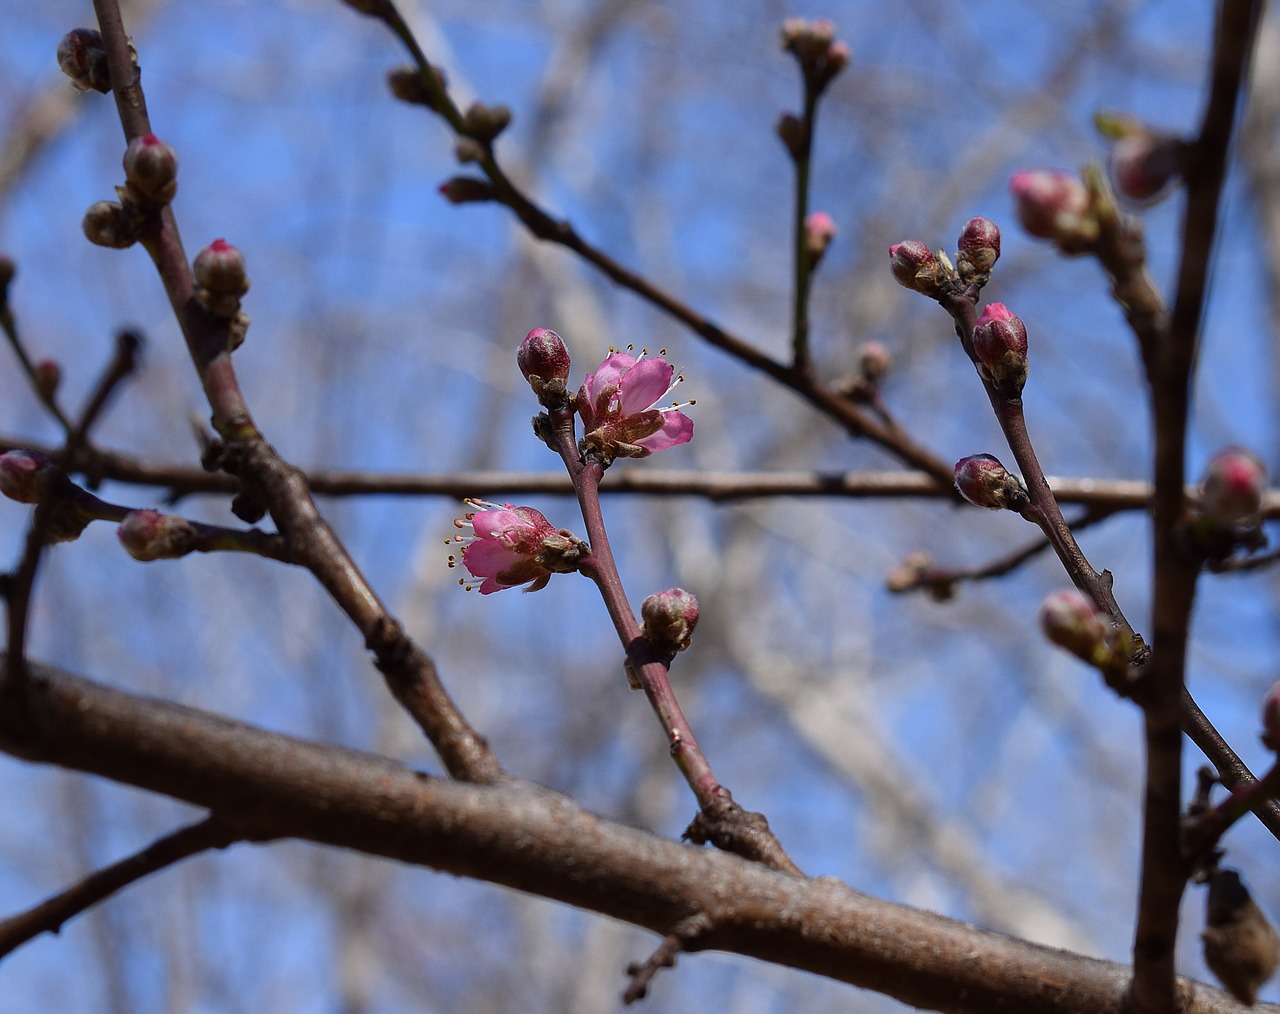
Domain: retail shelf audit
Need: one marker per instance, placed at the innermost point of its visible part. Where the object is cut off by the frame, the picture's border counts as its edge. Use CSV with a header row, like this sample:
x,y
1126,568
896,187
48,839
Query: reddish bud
x,y
23,475
220,278
467,190
915,267
819,232
1144,164
984,482
669,618
82,58
1232,487
151,169
47,377
874,361
1000,344
544,362
485,123
108,223
978,248
149,535
1054,204
1070,621
1271,718
1241,947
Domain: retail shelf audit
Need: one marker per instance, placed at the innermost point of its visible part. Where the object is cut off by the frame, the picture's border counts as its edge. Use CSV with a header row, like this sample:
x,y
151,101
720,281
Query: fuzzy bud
x,y
82,58
669,618
984,482
150,535
467,190
544,362
485,123
1070,621
407,85
220,278
468,149
978,248
23,475
1053,204
151,169
915,267
1144,163
819,232
47,377
109,223
1000,344
1271,718
1232,487
1240,946
874,361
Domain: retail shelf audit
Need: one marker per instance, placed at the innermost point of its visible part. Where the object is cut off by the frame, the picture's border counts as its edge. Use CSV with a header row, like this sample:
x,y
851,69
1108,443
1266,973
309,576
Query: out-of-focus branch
x,y
522,836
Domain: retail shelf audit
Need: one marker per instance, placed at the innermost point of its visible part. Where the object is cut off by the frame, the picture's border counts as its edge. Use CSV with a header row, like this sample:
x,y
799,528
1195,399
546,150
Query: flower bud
x,y
47,377
1271,718
1240,946
149,535
984,482
83,59
793,133
407,85
819,231
1000,344
23,475
915,267
1054,204
874,361
544,362
485,123
1232,487
1070,621
1144,163
108,223
467,190
468,149
220,278
151,169
669,618
978,248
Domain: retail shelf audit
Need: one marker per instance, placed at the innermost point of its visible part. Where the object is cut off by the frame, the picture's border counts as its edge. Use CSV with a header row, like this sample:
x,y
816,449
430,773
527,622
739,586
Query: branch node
x,y
683,935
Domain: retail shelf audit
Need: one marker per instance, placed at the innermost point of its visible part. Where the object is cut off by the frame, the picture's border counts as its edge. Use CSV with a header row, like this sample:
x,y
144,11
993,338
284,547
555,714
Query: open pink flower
x,y
617,405
511,546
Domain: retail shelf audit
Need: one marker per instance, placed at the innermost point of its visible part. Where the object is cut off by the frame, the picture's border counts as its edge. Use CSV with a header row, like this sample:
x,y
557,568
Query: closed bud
x,y
984,482
1240,946
24,474
108,223
150,535
151,169
1070,621
82,58
407,85
819,231
47,377
669,618
544,362
874,361
467,190
1054,204
1000,344
1271,718
485,123
1144,163
220,278
793,133
1232,487
978,248
915,267
468,149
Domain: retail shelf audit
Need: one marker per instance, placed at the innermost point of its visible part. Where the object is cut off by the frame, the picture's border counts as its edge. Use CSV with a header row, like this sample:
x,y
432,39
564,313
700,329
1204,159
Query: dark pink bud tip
x,y
151,168
1232,487
219,268
542,355
150,535
1000,344
914,266
984,482
979,247
23,474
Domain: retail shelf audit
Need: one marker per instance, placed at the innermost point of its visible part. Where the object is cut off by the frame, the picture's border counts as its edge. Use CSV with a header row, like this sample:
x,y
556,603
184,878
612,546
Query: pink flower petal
x,y
643,384
677,428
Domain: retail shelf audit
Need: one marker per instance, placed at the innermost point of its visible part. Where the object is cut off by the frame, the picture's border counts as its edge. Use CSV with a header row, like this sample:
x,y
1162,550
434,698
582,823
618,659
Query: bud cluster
x,y
150,182
814,45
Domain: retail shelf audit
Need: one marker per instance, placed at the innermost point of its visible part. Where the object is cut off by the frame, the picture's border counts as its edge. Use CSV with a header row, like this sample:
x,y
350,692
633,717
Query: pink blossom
x,y
511,546
617,405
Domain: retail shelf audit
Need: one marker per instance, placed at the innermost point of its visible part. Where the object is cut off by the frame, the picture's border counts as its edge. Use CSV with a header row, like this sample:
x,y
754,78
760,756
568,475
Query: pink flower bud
x,y
23,475
485,123
1000,343
467,190
1145,164
984,482
1070,621
978,249
669,618
82,58
48,375
220,278
150,535
874,361
915,267
151,169
544,362
1054,204
107,223
819,231
1232,487
1271,718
